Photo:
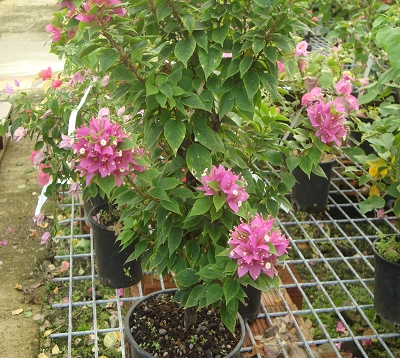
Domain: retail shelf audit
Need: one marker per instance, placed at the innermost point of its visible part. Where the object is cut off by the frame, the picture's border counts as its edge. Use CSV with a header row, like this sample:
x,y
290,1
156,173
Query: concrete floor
x,y
24,43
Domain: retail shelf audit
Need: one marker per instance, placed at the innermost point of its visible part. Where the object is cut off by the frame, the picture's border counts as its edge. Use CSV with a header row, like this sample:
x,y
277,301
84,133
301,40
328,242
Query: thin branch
x,y
124,57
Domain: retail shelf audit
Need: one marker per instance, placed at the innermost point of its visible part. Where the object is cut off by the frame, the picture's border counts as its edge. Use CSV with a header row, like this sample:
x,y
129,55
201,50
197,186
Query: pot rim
x,y
167,291
377,254
91,212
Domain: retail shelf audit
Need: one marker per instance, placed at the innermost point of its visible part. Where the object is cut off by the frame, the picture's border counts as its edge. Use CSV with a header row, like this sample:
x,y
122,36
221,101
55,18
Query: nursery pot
x,y
365,146
386,291
112,267
90,203
139,352
251,309
311,194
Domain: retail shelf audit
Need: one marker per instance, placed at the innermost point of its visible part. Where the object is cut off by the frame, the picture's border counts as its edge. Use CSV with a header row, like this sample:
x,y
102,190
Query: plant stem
x,y
190,317
124,57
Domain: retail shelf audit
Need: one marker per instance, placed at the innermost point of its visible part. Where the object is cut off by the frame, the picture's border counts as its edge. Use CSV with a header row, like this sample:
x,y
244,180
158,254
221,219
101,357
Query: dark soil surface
x,y
157,326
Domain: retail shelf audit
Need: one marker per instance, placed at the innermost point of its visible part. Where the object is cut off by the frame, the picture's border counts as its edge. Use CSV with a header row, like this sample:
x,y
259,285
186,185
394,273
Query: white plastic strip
x,y
74,113
71,128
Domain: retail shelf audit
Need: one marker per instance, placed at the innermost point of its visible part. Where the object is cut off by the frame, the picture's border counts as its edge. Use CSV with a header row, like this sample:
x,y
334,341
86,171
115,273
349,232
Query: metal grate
x,y
331,252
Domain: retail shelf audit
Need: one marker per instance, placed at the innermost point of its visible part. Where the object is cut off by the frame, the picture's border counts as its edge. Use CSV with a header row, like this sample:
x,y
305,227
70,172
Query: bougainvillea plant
x,y
322,105
198,80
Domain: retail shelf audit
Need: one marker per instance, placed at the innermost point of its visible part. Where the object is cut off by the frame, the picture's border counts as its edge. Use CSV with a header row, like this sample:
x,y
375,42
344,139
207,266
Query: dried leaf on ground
x,y
17,311
55,349
42,355
284,332
110,339
90,339
38,317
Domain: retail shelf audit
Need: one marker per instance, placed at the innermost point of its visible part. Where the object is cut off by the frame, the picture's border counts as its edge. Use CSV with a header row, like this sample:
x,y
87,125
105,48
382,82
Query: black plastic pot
x,y
112,267
387,291
90,203
356,136
311,194
250,311
137,352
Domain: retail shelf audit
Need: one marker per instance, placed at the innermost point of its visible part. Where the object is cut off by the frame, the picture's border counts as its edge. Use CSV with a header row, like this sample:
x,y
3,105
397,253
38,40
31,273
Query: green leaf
x,y
314,154
55,107
245,64
175,131
271,53
126,144
270,84
306,165
251,82
243,101
387,36
107,58
161,99
121,73
198,158
169,183
166,89
148,175
228,318
214,293
231,288
233,68
225,104
204,134
282,42
368,97
207,98
292,162
171,205
192,100
287,179
159,193
219,34
209,61
201,206
326,79
186,278
393,52
194,298
107,184
89,50
192,250
210,273
366,206
219,201
184,50
163,10
137,54
177,91
201,39
174,239
188,21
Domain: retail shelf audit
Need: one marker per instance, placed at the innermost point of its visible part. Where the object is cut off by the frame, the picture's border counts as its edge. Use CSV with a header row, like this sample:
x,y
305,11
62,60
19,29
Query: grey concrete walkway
x,y
23,53
24,43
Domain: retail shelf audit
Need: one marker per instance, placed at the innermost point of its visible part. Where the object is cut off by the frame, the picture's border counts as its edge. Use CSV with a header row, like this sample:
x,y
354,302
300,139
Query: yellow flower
x,y
375,165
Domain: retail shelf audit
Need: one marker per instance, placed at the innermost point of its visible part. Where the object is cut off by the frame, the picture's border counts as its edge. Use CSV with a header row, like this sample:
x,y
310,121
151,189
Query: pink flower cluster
x,y
97,149
251,246
107,8
328,120
9,89
37,158
223,181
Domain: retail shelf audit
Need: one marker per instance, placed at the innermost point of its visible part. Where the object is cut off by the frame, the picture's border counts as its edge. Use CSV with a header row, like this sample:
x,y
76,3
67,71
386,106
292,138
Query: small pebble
x,y
162,331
